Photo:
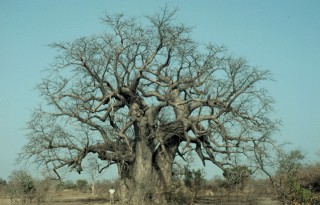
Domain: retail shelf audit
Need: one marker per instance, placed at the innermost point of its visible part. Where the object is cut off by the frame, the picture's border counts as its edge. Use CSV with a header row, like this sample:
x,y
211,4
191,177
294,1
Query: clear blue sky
x,y
283,36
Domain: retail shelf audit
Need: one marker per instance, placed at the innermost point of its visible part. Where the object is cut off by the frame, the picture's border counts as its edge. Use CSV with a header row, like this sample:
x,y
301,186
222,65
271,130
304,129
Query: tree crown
x,y
104,89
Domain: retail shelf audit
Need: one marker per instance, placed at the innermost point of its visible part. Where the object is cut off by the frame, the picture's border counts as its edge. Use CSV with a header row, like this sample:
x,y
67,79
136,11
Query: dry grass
x,y
71,197
67,197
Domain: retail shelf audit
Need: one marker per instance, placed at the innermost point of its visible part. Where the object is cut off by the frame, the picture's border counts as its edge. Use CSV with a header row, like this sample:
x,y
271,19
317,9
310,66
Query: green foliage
x,y
298,193
186,190
82,185
295,181
194,179
66,185
69,185
309,176
3,182
237,176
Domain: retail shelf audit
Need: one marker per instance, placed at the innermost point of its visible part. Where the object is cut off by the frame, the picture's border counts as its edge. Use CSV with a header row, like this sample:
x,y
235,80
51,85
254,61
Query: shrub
x,y
3,182
178,193
82,185
298,193
69,185
237,176
309,177
42,190
102,187
21,187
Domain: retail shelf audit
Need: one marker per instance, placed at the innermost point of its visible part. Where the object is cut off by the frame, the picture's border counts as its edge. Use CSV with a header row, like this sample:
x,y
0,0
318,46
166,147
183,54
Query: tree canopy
x,y
143,93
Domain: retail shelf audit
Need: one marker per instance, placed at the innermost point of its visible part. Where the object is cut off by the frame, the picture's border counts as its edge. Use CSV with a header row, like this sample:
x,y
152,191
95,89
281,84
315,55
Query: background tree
x,y
21,187
3,186
142,94
3,182
82,185
287,185
194,180
43,187
93,167
68,184
309,177
237,176
290,162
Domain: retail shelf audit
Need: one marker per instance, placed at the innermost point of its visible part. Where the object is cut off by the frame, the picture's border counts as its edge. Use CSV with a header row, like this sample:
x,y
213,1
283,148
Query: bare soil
x,y
69,197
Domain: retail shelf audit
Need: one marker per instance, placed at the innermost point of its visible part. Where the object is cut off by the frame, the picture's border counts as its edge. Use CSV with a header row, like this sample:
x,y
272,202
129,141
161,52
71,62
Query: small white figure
x,y
112,191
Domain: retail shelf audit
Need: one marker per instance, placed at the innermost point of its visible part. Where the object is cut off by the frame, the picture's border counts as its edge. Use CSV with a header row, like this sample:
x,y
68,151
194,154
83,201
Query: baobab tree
x,y
142,94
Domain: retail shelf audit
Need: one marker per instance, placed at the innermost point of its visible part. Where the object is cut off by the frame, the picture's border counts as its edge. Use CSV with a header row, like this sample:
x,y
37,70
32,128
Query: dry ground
x,y
69,197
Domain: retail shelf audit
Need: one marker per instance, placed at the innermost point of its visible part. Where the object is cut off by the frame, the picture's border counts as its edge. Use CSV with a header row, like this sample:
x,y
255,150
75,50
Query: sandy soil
x,y
68,197
78,198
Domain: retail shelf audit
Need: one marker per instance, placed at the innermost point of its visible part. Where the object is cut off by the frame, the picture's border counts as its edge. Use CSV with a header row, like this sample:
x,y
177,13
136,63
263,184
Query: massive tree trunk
x,y
148,176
